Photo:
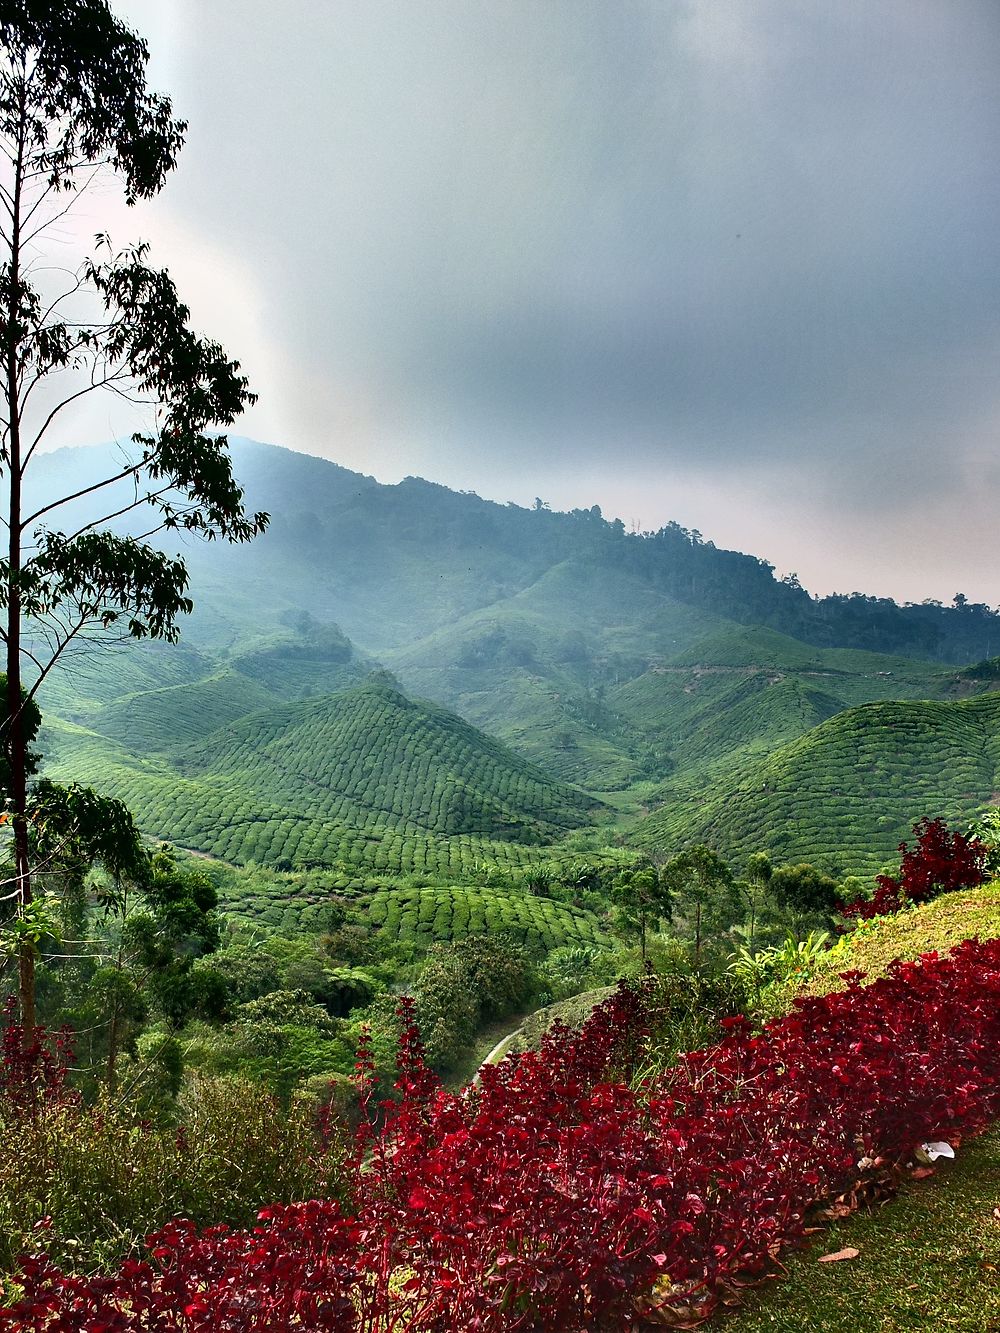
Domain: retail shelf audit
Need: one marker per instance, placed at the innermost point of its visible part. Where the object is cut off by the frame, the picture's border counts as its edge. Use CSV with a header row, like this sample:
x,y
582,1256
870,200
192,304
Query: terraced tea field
x,y
367,780
426,915
845,794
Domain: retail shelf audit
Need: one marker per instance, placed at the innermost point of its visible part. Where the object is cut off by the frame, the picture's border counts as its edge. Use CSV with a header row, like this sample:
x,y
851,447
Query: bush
x,y
554,1196
939,863
97,1179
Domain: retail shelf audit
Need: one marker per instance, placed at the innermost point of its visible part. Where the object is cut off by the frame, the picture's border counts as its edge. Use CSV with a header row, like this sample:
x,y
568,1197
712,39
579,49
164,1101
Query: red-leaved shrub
x,y
32,1073
554,1196
940,862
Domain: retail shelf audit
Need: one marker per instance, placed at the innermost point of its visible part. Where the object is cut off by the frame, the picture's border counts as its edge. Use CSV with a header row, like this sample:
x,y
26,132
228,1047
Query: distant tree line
x,y
505,547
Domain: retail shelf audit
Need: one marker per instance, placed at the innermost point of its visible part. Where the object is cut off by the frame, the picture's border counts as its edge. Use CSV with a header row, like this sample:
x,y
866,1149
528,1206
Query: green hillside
x,y
653,669
156,696
430,914
91,677
844,794
157,719
533,668
745,690
367,778
373,748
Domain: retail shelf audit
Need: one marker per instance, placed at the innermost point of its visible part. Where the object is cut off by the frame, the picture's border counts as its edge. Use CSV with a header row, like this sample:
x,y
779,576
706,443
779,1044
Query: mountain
x,y
654,670
392,564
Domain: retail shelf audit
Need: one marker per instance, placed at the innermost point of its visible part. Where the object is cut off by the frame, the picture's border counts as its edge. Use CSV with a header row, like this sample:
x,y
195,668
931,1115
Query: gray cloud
x,y
677,249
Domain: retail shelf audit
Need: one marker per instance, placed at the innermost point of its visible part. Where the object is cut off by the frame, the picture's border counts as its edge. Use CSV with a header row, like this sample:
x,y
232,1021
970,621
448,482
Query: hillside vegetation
x,y
696,695
843,795
367,778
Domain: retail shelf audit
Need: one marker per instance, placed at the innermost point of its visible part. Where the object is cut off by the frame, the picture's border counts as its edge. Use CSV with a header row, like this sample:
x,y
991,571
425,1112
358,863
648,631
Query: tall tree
x,y
703,894
642,898
74,105
807,897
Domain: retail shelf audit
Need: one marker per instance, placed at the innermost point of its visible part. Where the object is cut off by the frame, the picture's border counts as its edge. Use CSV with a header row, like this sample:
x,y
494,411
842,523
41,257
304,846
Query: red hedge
x,y
549,1198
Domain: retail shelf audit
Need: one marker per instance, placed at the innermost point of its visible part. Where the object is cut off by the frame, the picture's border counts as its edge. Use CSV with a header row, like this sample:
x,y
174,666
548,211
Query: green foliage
x,y
465,984
844,795
365,779
804,894
439,914
704,897
986,830
106,1178
643,899
689,1000
791,960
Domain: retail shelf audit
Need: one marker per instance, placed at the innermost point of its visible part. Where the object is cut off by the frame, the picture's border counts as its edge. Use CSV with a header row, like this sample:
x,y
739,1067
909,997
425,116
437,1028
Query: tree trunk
x,y
16,745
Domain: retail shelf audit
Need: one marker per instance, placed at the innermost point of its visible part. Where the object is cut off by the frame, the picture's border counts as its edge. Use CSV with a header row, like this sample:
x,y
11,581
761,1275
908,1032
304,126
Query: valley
x,y
611,663
431,911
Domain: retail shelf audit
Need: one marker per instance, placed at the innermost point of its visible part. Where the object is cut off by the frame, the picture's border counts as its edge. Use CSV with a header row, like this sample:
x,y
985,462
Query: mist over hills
x,y
655,670
393,563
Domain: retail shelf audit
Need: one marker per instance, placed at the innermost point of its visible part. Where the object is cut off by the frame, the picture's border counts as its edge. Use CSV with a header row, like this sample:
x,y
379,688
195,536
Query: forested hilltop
x,y
391,563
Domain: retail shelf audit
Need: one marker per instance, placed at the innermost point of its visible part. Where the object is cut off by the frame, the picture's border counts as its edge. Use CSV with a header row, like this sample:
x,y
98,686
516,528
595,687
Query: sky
x,y
730,262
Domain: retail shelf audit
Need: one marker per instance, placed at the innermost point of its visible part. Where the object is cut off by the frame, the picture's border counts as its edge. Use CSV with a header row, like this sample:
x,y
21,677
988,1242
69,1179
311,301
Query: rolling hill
x,y
846,793
366,779
653,670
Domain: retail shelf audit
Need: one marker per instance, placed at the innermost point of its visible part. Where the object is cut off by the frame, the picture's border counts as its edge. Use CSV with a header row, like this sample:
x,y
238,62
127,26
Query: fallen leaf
x,y
835,1258
996,1214
921,1173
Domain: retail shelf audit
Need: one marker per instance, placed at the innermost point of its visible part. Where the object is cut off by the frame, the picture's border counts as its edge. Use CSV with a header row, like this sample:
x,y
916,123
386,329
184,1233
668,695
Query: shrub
x,y
939,863
98,1178
554,1196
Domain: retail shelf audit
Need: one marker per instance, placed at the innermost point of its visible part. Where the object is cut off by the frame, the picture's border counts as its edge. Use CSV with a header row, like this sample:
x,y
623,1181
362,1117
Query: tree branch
x,y
86,490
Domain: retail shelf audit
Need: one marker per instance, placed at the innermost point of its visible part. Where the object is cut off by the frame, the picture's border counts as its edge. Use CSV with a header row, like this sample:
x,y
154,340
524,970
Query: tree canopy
x,y
74,105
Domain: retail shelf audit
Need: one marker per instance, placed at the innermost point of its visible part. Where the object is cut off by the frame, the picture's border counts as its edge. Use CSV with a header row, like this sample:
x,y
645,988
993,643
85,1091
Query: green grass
x,y
929,1259
940,925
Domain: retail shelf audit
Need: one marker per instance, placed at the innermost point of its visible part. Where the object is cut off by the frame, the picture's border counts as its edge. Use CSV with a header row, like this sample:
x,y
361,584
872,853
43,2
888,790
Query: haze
x,y
730,263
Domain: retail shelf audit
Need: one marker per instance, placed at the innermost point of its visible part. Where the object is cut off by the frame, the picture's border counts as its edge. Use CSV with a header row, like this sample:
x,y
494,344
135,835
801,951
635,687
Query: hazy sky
x,y
734,262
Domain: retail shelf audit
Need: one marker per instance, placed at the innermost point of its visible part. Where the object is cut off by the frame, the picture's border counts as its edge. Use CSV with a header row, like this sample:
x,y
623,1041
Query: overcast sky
x,y
730,262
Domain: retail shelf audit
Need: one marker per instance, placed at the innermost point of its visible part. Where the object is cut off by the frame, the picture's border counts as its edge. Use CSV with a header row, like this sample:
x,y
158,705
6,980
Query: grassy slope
x,y
929,1258
846,793
939,925
366,778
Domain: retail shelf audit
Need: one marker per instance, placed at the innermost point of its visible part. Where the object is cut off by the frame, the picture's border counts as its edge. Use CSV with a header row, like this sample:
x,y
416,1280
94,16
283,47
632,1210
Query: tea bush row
x,y
436,914
415,764
843,794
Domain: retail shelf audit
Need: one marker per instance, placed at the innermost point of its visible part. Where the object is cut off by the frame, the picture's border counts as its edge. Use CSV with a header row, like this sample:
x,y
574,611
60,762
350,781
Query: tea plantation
x,y
843,795
367,779
426,915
